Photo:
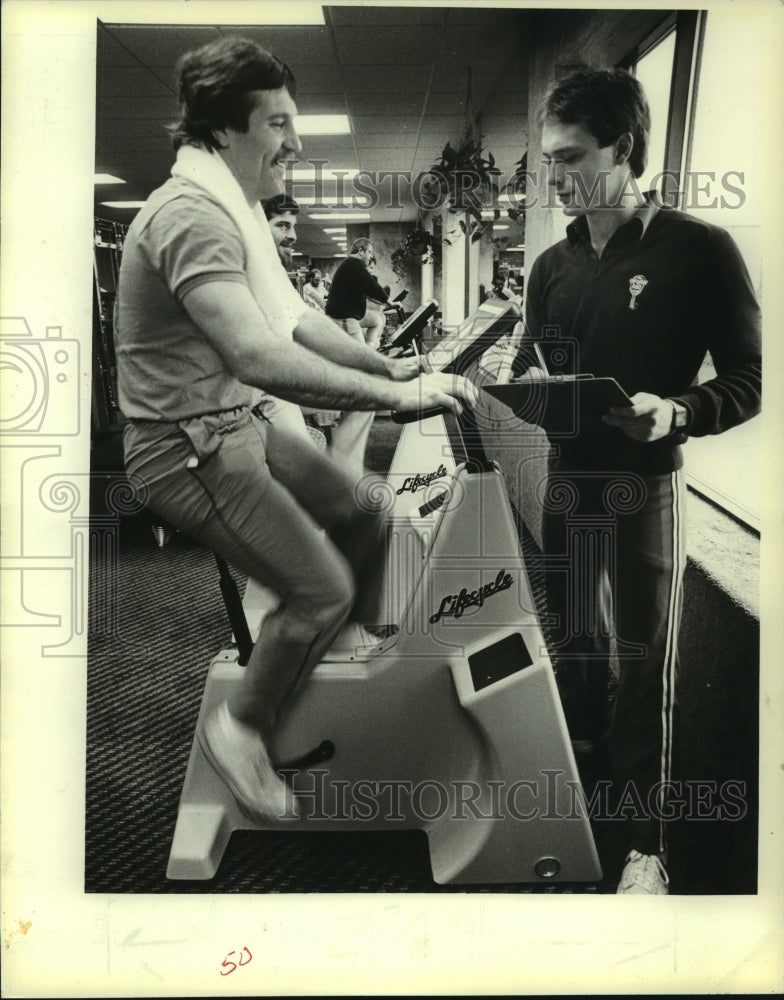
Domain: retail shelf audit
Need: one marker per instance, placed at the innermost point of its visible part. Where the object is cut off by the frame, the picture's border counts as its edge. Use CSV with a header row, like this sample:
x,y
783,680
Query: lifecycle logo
x,y
413,483
453,605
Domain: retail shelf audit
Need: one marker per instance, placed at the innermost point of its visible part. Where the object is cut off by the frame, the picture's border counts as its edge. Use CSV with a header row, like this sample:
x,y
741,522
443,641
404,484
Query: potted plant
x,y
417,243
474,226
464,177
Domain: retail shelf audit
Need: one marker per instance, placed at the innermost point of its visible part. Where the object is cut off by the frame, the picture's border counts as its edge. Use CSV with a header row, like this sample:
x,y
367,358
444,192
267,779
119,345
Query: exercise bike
x,y
452,724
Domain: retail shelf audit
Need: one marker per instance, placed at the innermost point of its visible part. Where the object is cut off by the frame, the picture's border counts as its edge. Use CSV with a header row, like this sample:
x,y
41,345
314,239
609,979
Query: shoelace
x,y
646,871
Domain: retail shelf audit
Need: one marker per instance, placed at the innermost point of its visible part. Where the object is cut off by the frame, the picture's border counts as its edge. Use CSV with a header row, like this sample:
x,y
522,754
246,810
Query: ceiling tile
x,y
446,103
146,107
380,140
158,128
142,147
392,158
160,45
111,52
315,79
409,78
332,148
308,44
385,104
479,44
360,46
508,124
370,17
326,103
497,16
136,81
442,125
365,125
107,124
451,77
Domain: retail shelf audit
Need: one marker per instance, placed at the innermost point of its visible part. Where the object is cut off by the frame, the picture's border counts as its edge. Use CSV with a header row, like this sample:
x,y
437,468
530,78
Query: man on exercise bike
x,y
206,318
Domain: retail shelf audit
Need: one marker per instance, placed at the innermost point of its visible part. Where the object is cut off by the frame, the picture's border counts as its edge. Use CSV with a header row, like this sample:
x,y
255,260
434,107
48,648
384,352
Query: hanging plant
x,y
463,177
419,243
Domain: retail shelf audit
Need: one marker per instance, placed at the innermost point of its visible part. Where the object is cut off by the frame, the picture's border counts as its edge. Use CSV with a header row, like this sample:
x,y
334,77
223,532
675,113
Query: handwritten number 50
x,y
228,965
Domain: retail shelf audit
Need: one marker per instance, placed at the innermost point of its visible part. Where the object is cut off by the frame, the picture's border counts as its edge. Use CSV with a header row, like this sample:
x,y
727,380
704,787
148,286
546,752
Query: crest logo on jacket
x,y
636,286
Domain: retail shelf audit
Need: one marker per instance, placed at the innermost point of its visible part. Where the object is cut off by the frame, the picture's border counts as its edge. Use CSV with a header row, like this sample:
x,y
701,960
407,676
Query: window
x,y
702,74
654,71
727,149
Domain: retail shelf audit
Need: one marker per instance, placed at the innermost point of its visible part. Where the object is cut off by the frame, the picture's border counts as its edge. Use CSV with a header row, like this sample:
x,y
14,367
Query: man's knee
x,y
330,600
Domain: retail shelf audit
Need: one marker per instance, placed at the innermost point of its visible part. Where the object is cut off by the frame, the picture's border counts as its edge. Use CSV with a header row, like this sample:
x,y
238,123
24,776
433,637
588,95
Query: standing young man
x,y
207,316
639,293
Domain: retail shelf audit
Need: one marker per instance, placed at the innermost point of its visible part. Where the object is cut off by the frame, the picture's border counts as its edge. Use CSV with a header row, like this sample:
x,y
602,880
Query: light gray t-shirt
x,y
167,370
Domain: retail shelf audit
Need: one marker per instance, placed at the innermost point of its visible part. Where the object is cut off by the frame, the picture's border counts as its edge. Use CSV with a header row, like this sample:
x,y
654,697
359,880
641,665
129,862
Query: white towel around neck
x,y
269,284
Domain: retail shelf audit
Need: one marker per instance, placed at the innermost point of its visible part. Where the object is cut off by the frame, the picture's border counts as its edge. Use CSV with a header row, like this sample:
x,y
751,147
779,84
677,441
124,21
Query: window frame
x,y
689,28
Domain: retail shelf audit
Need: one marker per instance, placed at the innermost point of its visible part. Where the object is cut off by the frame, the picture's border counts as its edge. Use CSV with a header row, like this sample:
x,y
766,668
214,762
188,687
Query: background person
x,y
344,435
206,315
352,286
374,320
640,294
281,212
313,291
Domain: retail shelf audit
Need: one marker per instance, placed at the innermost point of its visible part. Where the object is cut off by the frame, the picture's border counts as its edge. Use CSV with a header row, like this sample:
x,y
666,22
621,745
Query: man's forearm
x,y
319,334
230,320
299,375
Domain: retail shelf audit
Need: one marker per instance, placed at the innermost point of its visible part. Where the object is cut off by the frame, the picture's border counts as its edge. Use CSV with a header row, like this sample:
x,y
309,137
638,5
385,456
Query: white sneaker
x,y
238,755
644,874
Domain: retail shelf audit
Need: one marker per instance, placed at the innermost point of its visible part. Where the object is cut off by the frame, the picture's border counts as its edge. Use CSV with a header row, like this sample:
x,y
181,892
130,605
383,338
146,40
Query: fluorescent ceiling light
x,y
123,204
350,216
335,229
322,125
499,229
107,179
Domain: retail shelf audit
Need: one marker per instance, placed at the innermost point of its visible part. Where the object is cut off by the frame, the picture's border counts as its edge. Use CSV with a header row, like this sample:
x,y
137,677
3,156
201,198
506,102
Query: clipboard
x,y
561,404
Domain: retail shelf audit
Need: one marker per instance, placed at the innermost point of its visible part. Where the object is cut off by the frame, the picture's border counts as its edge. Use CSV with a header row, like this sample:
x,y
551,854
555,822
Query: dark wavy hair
x,y
216,84
360,244
606,102
280,205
